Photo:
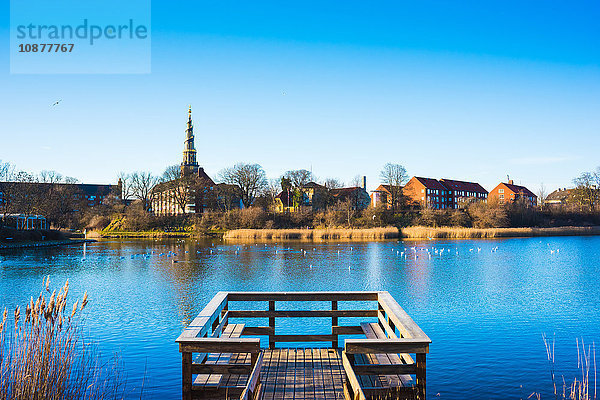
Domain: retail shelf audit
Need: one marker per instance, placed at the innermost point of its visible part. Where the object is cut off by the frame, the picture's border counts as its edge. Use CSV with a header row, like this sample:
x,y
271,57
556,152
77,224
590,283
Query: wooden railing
x,y
401,336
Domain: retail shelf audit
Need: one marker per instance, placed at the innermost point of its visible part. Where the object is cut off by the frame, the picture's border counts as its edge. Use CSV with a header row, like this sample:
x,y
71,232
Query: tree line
x,y
247,183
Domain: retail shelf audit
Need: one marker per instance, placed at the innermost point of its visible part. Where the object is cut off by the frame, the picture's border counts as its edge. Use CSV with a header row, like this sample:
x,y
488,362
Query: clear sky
x,y
470,90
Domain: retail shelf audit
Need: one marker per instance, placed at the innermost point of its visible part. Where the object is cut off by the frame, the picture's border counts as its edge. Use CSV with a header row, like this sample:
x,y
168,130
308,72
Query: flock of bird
x,y
178,252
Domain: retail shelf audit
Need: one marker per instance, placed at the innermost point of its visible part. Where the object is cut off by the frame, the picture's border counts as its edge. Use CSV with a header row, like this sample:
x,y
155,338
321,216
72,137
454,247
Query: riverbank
x,y
423,232
413,232
313,234
45,243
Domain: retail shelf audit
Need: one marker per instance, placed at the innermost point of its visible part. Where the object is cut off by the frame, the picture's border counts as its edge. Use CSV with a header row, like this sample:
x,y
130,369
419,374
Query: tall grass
x,y
313,234
423,232
582,388
43,355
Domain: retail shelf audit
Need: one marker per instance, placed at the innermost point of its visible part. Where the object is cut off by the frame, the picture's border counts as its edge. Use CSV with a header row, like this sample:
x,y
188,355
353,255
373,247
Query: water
x,y
484,303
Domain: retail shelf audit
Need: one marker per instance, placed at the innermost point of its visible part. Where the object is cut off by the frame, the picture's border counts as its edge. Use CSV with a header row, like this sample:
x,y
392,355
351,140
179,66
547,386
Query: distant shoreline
x,y
46,243
366,234
414,232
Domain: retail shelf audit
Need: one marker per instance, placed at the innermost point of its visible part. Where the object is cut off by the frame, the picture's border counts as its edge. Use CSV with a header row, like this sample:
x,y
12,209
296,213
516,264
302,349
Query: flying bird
x,y
56,103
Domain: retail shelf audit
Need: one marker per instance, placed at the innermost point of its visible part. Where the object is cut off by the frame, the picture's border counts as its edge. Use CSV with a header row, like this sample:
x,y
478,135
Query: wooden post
x,y
272,324
186,370
334,322
421,375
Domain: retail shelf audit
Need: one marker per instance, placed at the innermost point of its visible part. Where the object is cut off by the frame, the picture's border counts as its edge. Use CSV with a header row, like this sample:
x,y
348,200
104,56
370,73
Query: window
x,y
422,190
500,190
501,197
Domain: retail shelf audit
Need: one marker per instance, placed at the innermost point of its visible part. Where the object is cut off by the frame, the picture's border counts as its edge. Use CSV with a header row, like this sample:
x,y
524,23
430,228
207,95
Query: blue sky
x,y
471,91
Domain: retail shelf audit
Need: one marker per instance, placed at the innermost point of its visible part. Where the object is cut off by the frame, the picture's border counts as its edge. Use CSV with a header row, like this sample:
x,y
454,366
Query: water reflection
x,y
478,300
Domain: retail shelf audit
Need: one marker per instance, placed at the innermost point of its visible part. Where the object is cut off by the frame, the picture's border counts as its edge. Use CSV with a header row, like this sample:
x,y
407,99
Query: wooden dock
x,y
222,356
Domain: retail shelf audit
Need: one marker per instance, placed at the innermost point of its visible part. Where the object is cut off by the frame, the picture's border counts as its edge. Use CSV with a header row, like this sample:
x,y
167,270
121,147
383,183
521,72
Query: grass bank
x,y
423,232
139,234
313,234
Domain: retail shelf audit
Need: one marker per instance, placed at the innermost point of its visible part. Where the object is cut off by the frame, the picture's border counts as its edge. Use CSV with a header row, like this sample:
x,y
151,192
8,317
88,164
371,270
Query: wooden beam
x,y
352,379
272,324
347,330
385,369
334,322
303,296
258,331
203,322
388,346
217,331
301,313
254,379
400,318
421,374
236,369
303,338
220,345
186,378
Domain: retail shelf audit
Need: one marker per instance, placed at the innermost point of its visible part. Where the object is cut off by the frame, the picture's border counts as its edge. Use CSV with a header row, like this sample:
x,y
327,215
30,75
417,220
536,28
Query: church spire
x,y
189,163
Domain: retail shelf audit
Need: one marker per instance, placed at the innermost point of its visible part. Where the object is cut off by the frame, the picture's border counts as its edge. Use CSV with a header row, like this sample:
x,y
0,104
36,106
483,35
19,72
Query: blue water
x,y
484,303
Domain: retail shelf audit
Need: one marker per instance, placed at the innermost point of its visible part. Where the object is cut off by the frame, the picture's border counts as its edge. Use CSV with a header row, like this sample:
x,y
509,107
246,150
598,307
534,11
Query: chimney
x,y
510,182
365,183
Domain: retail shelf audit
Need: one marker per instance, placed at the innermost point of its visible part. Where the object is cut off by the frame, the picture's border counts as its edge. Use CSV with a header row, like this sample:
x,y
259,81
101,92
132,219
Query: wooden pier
x,y
382,357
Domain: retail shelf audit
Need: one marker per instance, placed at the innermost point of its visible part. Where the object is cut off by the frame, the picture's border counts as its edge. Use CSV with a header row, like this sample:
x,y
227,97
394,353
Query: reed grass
x,y
313,234
423,232
43,355
582,387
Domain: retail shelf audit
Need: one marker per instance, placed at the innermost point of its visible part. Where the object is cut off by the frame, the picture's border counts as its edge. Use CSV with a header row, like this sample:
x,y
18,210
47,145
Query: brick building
x,y
509,192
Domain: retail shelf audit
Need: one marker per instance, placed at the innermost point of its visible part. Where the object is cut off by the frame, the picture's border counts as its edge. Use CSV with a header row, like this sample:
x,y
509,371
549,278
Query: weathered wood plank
x,y
220,345
258,331
400,318
235,369
385,369
377,346
203,322
303,338
347,330
356,389
301,313
303,296
254,379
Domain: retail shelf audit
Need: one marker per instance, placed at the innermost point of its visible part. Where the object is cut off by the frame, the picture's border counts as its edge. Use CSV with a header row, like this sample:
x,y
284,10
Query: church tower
x,y
189,164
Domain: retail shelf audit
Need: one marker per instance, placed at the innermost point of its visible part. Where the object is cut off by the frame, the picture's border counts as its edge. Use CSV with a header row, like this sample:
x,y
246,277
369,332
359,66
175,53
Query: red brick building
x,y
509,192
428,193
461,193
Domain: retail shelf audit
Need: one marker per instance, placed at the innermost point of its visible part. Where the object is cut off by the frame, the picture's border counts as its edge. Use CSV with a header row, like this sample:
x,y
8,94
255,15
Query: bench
x,y
230,370
377,384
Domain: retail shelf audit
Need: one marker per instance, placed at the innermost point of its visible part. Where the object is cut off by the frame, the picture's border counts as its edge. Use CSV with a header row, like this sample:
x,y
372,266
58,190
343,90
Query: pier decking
x,y
222,356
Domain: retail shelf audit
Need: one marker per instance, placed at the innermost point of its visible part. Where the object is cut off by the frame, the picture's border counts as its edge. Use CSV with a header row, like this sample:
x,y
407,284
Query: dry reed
x,y
423,232
43,356
582,388
313,234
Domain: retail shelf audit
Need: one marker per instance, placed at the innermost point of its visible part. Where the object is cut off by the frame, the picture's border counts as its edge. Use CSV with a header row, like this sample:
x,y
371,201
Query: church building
x,y
189,192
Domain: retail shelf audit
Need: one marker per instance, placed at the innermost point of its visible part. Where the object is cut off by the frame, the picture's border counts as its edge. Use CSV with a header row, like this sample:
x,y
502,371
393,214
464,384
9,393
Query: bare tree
x,y
142,184
126,189
50,177
332,183
357,181
585,192
394,176
272,190
542,194
249,178
299,178
7,171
